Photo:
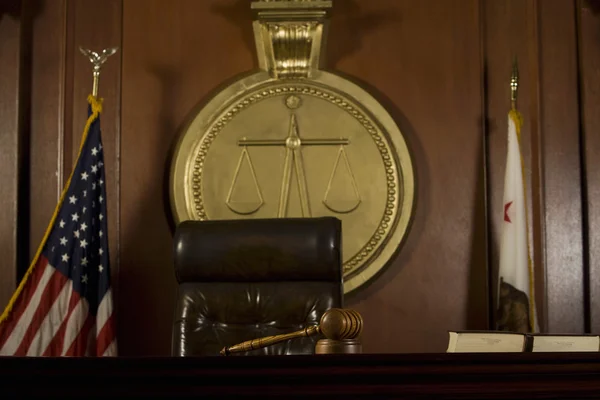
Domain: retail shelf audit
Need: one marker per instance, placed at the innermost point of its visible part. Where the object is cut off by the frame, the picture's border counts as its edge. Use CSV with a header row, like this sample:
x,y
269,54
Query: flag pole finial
x,y
97,59
514,84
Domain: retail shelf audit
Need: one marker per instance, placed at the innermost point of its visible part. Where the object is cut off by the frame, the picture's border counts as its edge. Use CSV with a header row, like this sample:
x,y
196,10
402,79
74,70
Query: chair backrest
x,y
244,279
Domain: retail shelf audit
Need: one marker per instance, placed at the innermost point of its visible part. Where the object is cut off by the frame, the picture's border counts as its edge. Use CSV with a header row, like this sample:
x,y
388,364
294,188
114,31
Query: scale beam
x,y
304,142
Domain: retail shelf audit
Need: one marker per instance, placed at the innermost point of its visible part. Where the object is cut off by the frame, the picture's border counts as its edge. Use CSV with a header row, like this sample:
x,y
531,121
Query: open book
x,y
509,342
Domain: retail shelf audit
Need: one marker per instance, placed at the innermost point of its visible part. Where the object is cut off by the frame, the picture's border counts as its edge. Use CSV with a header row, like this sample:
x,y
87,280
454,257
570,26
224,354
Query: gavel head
x,y
341,324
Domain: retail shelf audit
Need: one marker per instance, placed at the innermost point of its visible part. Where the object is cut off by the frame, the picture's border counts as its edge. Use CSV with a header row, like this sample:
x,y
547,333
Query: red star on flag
x,y
506,207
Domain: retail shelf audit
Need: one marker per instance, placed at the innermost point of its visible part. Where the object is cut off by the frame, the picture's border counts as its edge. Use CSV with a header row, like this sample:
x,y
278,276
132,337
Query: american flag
x,y
63,306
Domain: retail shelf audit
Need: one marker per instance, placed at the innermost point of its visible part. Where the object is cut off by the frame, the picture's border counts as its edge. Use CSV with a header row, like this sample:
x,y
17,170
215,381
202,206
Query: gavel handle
x,y
269,340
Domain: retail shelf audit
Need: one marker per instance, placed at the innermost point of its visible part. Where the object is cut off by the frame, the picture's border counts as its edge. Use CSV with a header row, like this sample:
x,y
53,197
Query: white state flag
x,y
516,303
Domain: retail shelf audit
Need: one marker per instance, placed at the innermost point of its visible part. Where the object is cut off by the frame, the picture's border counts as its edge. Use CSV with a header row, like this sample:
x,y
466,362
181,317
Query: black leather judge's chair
x,y
244,279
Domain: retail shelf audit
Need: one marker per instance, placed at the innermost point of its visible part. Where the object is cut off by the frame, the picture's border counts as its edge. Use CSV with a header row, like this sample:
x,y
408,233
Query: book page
x,y
485,343
565,343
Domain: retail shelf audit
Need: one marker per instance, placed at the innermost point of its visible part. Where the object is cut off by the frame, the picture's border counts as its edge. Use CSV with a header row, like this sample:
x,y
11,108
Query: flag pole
x,y
97,59
518,121
514,85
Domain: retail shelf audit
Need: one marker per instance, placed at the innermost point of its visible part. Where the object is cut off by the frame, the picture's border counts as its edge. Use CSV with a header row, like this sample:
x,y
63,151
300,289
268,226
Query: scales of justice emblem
x,y
292,140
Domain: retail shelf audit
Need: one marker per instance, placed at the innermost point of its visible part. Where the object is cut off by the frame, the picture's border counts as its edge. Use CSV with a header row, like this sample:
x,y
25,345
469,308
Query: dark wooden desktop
x,y
457,376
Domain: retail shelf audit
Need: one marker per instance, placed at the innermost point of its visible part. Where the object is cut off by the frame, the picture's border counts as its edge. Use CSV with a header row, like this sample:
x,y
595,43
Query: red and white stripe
x,y
50,319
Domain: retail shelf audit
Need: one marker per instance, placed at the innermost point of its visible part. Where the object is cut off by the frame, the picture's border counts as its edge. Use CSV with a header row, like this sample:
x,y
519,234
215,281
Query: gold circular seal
x,y
267,148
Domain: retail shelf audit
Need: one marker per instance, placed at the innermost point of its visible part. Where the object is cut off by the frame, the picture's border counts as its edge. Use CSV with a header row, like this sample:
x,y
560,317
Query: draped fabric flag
x,y
63,306
516,302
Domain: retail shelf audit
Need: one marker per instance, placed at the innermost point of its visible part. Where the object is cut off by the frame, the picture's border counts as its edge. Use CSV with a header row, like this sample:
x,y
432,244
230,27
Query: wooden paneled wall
x,y
589,84
11,127
542,35
442,70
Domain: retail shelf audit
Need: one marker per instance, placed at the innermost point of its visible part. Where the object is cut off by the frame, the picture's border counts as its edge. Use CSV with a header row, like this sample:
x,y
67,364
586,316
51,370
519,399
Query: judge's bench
x,y
266,322
402,376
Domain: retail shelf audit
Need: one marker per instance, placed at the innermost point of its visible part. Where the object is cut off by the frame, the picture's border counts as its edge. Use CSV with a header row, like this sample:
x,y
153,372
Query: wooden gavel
x,y
336,325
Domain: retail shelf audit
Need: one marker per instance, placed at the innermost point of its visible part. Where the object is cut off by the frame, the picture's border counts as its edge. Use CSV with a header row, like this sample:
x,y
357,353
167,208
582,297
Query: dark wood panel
x,y
422,59
46,120
10,63
538,205
589,58
561,166
175,53
510,32
421,376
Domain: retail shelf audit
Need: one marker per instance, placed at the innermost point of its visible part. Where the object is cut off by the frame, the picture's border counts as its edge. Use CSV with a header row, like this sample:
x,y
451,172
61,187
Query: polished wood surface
x,y
172,60
561,171
47,117
432,87
441,68
439,376
589,58
10,125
